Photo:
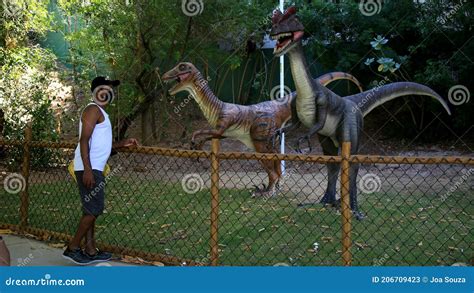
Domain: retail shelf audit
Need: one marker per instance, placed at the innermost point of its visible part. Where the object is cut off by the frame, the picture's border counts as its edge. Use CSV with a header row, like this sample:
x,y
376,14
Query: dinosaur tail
x,y
333,76
369,100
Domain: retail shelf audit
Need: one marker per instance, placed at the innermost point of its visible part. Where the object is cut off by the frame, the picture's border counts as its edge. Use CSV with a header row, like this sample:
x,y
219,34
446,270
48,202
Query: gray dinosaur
x,y
333,118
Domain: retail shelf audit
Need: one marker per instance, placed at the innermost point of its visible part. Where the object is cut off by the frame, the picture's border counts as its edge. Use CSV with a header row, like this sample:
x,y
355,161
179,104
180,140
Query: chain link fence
x,y
196,207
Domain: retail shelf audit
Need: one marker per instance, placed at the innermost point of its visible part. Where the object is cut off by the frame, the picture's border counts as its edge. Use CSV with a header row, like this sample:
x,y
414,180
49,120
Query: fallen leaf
x,y
326,239
361,245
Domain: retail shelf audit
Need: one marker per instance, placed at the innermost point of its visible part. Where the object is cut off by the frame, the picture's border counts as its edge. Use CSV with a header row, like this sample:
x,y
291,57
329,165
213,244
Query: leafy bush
x,y
25,71
425,42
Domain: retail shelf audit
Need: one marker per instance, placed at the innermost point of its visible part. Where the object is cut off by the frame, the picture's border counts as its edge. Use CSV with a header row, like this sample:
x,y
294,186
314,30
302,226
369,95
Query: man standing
x,y
91,155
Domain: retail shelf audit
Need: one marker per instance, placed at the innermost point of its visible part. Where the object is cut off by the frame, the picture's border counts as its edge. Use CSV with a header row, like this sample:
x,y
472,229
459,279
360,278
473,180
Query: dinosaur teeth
x,y
281,36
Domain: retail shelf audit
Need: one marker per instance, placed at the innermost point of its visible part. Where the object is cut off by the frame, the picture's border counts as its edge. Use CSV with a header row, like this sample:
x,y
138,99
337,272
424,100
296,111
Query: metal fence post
x,y
25,172
345,205
214,202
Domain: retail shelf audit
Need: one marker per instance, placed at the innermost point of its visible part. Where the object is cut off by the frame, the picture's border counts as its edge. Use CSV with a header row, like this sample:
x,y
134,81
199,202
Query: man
x,y
4,254
91,155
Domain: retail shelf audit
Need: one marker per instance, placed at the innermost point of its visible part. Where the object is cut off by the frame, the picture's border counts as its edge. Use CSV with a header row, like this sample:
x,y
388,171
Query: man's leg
x,y
85,224
90,240
95,205
74,251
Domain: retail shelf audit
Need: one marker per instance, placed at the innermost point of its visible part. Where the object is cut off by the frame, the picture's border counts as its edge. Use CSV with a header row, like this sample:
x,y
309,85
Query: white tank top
x,y
100,144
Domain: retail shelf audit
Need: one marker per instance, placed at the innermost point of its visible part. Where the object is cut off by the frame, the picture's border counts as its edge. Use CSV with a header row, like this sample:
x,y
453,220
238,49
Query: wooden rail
x,y
345,204
214,243
311,158
25,172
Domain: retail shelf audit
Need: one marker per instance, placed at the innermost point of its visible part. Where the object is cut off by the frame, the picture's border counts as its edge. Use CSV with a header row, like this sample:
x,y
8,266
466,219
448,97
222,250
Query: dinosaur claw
x,y
298,144
263,191
197,146
358,215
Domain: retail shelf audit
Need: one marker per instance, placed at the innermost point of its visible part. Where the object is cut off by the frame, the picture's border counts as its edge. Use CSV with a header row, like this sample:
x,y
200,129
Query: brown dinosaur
x,y
253,125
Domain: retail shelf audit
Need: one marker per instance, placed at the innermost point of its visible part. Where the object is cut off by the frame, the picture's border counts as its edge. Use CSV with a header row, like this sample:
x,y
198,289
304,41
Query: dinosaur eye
x,y
182,67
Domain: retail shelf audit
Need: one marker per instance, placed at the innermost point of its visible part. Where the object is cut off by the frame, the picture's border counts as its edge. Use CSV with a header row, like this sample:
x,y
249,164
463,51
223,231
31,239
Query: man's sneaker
x,y
99,256
76,256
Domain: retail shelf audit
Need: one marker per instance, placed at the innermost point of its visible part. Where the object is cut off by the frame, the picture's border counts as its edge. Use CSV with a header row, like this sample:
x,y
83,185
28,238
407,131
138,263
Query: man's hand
x,y
88,179
126,143
129,142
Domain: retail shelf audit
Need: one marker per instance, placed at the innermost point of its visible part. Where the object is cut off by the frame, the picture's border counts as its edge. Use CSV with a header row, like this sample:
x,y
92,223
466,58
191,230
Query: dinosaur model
x,y
334,119
253,125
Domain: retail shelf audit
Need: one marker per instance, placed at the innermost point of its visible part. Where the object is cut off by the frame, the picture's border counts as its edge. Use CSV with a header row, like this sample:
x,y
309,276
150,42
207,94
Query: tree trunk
x,y
143,129
153,121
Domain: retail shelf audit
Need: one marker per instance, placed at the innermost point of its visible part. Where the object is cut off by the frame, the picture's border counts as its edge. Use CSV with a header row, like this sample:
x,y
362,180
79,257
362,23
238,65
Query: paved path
x,y
28,252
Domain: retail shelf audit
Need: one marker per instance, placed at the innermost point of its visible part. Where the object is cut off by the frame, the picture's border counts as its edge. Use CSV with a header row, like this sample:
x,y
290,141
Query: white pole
x,y
282,95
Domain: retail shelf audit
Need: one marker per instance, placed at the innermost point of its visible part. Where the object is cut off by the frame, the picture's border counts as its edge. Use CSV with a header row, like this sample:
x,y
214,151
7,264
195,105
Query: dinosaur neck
x,y
305,85
209,104
306,88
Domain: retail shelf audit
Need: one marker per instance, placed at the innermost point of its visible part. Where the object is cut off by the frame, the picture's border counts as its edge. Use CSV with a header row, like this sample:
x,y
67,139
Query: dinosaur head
x,y
184,74
287,30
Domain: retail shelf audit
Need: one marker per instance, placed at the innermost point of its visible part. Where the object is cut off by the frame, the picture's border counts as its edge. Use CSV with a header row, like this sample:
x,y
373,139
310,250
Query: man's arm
x,y
90,116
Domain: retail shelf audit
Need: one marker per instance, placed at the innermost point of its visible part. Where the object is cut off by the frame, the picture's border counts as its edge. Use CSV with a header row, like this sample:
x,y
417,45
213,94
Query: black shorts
x,y
93,200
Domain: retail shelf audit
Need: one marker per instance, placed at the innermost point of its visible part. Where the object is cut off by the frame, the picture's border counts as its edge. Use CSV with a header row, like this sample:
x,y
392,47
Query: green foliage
x,y
24,98
25,74
426,42
386,64
21,20
138,42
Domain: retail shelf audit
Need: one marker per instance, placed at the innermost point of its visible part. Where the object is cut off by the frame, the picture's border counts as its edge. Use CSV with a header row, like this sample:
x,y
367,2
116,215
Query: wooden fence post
x,y
214,202
25,172
345,205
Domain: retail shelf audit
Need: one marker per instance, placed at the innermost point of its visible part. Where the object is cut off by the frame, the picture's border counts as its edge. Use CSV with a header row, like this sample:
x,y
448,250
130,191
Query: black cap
x,y
100,80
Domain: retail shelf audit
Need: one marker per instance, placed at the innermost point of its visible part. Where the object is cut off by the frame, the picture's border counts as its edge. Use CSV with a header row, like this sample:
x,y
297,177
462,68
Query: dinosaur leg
x,y
271,167
277,166
211,133
329,149
354,170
